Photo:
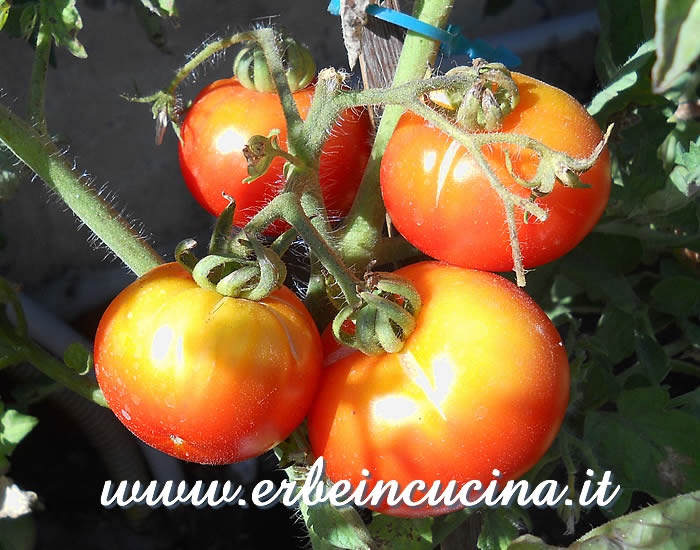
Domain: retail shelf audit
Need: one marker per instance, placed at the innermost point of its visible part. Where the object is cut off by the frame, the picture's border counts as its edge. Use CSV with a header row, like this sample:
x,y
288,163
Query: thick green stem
x,y
38,81
394,249
292,212
316,301
42,156
295,139
324,110
56,370
366,219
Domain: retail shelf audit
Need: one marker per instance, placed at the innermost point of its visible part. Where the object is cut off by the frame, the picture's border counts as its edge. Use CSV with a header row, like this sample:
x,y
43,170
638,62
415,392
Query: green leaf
x,y
78,358
673,524
678,229
679,296
18,533
4,12
649,444
499,528
63,19
530,542
599,385
654,398
162,8
613,253
670,525
637,169
407,534
13,25
686,174
14,426
152,23
629,84
677,44
614,335
623,27
651,355
689,402
331,528
444,525
599,283
691,160
27,20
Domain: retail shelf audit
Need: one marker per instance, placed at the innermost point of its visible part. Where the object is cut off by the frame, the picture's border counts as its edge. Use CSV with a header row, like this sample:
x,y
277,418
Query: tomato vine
x,y
628,313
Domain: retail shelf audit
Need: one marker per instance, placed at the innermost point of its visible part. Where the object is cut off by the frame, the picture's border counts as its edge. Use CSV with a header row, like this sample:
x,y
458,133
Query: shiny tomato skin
x,y
218,125
441,202
482,383
202,377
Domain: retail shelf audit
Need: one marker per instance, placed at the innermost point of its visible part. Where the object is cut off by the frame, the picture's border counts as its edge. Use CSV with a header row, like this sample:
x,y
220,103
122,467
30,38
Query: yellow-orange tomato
x,y
203,377
220,122
441,201
481,384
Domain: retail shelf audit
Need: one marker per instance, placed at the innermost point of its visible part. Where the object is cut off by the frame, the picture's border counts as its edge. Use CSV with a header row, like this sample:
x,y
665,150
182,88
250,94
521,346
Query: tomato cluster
x,y
482,383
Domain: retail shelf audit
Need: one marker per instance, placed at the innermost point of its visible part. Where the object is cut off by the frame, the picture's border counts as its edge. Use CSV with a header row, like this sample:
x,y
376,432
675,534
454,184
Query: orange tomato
x,y
441,201
217,127
203,377
481,384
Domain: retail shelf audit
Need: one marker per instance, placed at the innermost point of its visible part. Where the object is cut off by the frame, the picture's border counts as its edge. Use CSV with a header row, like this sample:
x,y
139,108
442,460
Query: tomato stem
x,y
56,370
311,228
37,86
506,196
296,143
40,154
366,219
204,54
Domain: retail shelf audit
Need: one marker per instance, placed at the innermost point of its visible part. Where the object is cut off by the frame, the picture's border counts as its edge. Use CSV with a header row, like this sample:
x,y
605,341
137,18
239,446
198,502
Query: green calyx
x,y
260,151
250,66
556,167
482,98
253,274
383,319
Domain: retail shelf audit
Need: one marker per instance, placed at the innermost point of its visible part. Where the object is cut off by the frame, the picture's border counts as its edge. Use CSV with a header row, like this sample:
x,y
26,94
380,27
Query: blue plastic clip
x,y
334,7
452,41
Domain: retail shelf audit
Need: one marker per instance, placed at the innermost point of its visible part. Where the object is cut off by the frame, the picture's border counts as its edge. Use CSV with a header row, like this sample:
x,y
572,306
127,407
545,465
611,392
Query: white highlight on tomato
x,y
429,160
443,377
229,141
394,408
445,166
160,345
464,167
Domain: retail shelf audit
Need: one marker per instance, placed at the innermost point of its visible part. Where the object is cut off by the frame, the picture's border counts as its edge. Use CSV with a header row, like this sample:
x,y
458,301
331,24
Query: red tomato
x,y
442,203
482,383
203,377
217,127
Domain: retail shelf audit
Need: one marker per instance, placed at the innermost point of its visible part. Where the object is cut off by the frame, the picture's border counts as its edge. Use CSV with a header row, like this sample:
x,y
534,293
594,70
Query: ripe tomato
x,y
482,383
442,203
217,127
203,377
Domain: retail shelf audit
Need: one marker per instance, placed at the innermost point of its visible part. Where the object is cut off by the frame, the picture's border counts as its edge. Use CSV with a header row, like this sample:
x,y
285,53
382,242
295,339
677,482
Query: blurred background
x,y
67,282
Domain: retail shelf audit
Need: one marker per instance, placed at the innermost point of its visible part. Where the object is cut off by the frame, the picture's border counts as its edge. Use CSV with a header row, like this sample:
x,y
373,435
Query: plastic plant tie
x,y
452,42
